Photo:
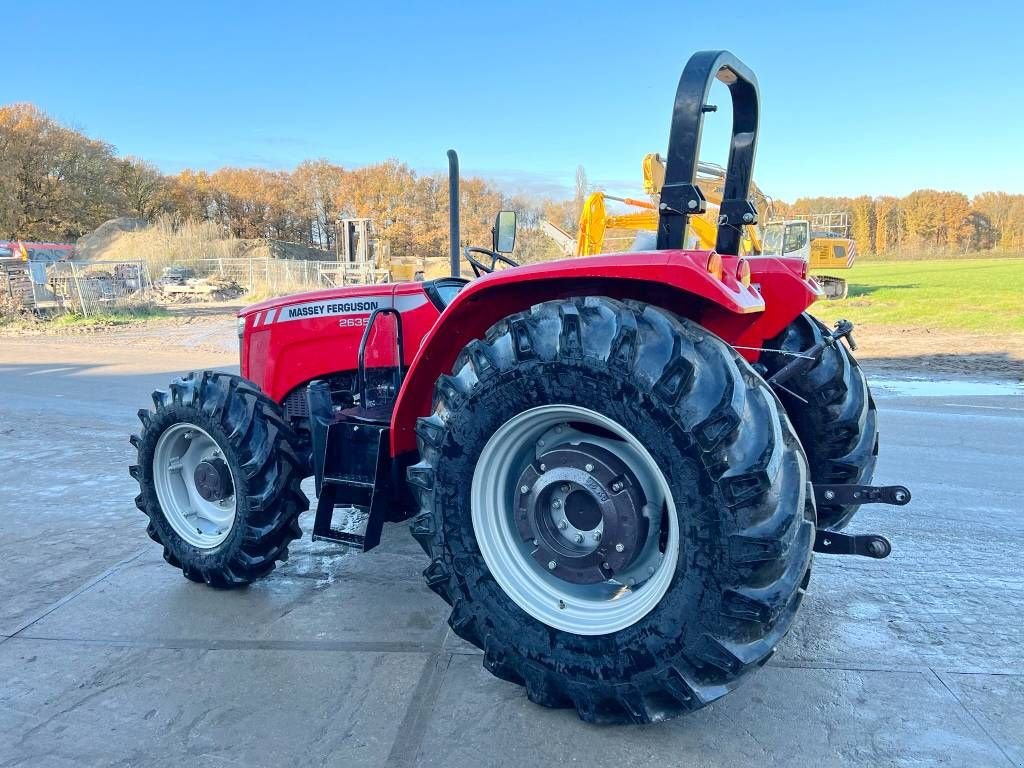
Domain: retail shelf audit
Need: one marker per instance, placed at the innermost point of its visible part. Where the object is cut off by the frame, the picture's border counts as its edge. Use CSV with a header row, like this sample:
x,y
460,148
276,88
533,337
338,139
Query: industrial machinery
x,y
821,240
618,466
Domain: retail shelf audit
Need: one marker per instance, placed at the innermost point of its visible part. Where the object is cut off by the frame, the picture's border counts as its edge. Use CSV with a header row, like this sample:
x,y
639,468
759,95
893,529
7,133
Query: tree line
x,y
57,184
924,222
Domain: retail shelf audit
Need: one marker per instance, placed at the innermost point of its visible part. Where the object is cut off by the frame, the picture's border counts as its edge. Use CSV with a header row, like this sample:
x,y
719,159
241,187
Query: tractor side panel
x,y
676,280
289,342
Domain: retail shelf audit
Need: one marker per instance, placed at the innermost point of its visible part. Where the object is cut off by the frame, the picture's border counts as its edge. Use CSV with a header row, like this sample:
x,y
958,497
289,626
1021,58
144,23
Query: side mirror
x,y
503,235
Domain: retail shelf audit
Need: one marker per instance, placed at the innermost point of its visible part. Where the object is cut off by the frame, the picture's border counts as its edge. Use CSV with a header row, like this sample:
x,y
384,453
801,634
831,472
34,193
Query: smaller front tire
x,y
219,478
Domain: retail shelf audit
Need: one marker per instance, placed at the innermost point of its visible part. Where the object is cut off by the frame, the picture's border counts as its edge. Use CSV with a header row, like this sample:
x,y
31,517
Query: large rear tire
x,y
838,423
657,410
219,478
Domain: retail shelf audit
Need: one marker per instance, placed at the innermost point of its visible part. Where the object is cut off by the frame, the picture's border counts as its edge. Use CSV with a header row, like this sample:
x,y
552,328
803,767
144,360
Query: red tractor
x,y
619,465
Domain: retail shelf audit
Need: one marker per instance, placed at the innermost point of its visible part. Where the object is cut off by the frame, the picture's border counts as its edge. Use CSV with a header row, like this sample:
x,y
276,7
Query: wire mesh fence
x,y
93,287
85,288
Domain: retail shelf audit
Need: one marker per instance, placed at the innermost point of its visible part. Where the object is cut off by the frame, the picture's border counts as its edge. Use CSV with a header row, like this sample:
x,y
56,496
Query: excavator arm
x,y
595,220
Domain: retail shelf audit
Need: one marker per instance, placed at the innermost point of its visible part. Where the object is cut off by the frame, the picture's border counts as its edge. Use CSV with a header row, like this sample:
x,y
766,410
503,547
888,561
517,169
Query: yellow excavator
x,y
822,240
595,220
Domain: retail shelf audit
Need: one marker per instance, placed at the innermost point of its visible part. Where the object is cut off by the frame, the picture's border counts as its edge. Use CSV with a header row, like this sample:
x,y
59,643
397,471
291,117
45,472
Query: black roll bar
x,y
680,196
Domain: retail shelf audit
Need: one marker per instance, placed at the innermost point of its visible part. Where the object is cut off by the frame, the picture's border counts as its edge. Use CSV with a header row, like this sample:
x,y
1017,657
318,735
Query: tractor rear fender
x,y
679,281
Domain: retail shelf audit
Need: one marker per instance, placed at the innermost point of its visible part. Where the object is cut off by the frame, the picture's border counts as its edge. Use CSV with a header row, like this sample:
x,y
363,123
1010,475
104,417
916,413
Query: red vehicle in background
x,y
23,250
618,465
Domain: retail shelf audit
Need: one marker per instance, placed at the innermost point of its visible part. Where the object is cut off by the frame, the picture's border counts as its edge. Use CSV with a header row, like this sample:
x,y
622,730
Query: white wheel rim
x,y
582,609
179,450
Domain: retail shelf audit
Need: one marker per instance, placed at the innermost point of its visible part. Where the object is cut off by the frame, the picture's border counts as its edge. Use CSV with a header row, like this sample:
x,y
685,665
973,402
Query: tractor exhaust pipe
x,y
453,209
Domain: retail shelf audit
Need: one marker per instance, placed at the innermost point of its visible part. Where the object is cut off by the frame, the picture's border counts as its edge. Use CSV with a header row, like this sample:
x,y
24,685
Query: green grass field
x,y
970,295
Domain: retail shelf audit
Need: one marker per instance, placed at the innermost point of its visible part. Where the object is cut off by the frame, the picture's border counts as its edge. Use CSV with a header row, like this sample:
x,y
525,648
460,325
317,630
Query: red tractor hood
x,y
315,297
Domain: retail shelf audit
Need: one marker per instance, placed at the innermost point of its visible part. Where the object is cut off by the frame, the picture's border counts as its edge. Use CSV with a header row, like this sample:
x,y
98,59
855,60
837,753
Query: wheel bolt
x,y
619,547
617,486
597,535
187,435
551,565
579,538
562,525
525,489
556,504
589,467
565,488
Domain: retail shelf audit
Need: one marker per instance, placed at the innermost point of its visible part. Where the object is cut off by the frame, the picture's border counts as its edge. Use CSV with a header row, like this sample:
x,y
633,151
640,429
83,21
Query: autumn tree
x,y
57,183
140,186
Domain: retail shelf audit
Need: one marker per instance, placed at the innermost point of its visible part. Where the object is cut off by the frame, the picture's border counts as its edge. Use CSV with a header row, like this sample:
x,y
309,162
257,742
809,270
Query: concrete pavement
x,y
110,657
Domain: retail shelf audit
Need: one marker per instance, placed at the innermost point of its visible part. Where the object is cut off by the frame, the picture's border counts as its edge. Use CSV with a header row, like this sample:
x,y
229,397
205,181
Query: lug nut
x,y
562,525
617,486
556,504
589,467
551,565
619,547
565,488
525,489
579,538
597,535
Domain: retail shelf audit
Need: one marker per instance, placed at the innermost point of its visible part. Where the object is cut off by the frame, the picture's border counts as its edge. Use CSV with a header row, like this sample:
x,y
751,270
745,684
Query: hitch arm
x,y
867,545
843,330
897,495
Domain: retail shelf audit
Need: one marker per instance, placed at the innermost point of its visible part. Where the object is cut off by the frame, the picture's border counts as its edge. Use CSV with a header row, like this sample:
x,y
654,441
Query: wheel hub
x,y
213,479
580,511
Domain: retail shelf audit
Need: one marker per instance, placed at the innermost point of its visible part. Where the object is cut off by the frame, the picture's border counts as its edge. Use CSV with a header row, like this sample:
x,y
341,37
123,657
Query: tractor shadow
x,y
867,290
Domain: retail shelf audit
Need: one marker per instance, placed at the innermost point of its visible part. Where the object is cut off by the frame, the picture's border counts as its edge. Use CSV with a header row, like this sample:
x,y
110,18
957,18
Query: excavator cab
x,y
791,239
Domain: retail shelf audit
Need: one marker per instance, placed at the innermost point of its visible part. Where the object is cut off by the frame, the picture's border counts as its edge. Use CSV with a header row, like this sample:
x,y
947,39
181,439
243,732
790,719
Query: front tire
x,y
219,478
625,381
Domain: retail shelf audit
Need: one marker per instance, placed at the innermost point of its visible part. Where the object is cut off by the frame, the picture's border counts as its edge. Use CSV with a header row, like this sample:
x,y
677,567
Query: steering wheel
x,y
479,268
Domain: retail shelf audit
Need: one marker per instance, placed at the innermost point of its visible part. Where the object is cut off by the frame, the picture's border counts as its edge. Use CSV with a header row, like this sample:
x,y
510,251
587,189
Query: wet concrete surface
x,y
110,657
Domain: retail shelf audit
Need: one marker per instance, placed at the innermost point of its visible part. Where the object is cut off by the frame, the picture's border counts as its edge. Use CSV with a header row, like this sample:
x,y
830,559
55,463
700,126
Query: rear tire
x,y
254,448
838,425
736,476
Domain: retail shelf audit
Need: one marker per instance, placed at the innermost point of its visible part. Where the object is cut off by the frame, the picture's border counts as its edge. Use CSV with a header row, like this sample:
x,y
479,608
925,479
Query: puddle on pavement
x,y
911,387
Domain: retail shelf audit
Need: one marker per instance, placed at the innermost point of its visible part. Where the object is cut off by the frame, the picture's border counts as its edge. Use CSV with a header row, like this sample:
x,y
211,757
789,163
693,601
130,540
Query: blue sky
x,y
874,97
